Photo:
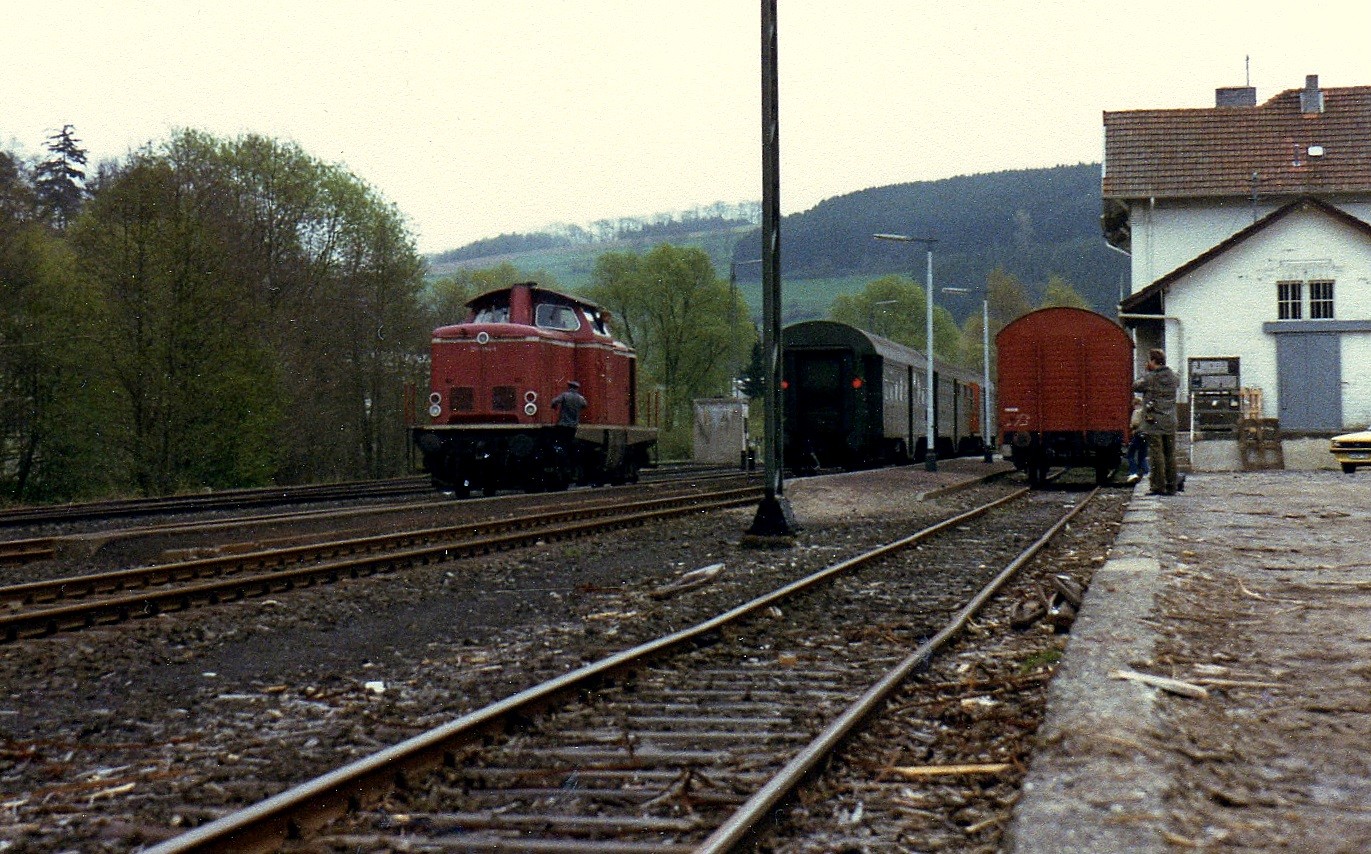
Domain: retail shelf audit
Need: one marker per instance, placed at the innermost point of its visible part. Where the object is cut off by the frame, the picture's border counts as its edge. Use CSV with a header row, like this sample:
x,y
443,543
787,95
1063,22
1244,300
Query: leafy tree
x,y
676,312
894,307
1060,292
58,179
263,315
1008,298
18,202
49,366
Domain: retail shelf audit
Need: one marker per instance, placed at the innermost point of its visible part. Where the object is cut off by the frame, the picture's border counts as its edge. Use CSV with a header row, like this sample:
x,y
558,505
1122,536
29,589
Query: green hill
x,y
1034,223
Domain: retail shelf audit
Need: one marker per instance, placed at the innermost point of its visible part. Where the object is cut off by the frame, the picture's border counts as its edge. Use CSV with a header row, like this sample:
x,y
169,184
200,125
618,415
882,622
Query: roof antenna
x,y
1247,69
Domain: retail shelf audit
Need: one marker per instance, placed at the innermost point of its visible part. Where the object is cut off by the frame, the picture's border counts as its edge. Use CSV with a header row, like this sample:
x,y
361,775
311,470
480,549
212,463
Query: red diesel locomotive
x,y
493,378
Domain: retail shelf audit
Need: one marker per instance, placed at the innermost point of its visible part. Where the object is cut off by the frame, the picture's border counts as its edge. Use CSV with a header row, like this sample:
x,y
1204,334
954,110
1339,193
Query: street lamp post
x,y
986,436
989,439
930,454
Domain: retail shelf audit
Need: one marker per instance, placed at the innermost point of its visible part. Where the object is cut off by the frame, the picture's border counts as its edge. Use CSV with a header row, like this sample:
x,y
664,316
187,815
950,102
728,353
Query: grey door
x,y
1309,372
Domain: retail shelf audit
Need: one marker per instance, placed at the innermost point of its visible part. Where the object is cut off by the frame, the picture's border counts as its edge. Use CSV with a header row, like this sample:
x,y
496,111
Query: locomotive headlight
x,y
530,396
435,410
530,409
435,399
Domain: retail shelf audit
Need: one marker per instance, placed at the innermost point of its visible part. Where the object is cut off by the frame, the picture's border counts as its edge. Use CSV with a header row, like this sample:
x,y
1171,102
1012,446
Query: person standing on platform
x,y
1158,387
1137,444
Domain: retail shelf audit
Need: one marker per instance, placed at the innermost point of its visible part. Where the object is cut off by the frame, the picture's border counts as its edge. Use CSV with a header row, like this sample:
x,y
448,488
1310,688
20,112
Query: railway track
x,y
229,499
48,547
247,499
680,744
75,602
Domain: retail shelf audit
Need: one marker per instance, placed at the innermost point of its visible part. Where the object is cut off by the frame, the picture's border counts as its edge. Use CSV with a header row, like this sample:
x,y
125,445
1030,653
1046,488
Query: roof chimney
x,y
1311,99
1235,96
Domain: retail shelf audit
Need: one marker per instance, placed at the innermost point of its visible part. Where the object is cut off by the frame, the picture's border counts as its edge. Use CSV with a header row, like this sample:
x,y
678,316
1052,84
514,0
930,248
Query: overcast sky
x,y
480,117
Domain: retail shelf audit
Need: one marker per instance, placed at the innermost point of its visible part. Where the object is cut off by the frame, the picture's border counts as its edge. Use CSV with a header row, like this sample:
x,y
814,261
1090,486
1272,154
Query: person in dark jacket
x,y
1158,387
569,405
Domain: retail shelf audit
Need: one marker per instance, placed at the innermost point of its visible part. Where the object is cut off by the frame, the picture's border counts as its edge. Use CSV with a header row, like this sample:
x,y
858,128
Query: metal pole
x,y
930,455
930,440
731,383
985,379
773,517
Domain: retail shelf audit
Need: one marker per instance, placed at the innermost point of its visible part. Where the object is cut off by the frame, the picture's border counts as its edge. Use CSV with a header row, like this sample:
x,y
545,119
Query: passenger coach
x,y
853,399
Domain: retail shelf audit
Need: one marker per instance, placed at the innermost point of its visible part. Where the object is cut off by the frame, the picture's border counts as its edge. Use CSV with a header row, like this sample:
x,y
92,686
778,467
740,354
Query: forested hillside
x,y
1033,223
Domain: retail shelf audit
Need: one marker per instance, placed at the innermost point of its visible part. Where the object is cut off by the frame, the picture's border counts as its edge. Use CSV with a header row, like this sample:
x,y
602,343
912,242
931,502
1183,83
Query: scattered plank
x,y
919,772
1171,686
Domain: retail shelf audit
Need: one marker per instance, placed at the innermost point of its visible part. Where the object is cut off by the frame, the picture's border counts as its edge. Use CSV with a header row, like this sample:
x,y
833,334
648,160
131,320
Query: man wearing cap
x,y
1158,387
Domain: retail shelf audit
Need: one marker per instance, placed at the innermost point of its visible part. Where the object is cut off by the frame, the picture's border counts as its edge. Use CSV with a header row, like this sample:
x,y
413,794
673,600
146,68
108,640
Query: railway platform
x,y
1215,692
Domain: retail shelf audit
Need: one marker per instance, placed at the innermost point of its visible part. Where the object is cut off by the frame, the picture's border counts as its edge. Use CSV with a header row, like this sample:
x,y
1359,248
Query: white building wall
x,y
1168,234
1223,304
1356,389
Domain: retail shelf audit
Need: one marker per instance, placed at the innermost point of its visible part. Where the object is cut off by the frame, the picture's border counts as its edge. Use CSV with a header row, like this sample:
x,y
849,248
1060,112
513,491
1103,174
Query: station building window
x,y
1290,300
1321,300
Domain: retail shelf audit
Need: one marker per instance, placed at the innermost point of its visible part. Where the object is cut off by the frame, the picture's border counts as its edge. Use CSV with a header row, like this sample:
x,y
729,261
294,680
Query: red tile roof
x,y
1213,152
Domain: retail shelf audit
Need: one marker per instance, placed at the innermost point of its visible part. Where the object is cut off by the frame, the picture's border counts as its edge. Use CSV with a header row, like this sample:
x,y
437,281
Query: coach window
x,y
552,316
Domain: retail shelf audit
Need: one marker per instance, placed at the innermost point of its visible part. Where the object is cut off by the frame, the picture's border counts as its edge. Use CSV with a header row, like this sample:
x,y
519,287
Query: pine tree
x,y
59,179
754,375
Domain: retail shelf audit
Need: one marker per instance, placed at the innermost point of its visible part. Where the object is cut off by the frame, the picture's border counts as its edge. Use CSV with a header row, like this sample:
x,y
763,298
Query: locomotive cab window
x,y
599,322
493,313
552,316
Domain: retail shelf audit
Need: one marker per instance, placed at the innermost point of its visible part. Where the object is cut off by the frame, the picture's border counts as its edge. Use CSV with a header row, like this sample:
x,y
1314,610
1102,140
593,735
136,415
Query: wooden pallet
x,y
1259,444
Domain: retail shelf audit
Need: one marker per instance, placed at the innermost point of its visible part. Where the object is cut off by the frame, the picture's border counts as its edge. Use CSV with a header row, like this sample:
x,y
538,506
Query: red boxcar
x,y
493,378
1065,391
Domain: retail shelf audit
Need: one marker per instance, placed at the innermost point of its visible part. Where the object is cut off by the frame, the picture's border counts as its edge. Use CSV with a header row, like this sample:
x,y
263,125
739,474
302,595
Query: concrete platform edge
x,y
1094,784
